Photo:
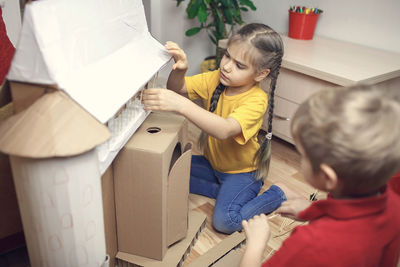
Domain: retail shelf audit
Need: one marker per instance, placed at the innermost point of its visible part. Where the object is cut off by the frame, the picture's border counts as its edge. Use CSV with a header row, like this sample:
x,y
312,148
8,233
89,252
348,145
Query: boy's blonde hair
x,y
354,130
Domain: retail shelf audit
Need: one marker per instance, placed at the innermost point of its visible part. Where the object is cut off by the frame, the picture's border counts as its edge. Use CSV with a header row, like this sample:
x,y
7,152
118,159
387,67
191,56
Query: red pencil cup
x,y
301,25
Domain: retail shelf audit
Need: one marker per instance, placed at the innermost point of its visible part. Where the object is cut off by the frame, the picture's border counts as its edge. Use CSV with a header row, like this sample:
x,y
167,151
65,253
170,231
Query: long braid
x,y
263,155
213,105
215,97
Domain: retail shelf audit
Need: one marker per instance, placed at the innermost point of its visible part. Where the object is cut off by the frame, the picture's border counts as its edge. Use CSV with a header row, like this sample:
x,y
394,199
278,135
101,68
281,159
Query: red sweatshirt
x,y
6,50
345,232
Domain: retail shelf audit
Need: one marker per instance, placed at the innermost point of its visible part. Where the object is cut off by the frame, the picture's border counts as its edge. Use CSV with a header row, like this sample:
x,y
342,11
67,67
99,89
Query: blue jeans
x,y
235,194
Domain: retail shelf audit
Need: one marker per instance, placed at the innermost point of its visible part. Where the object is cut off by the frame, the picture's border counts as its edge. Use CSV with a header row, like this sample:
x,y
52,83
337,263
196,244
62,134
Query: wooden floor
x,y
285,167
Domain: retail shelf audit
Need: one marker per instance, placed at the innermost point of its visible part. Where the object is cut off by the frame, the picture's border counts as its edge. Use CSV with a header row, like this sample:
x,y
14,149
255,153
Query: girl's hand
x,y
179,55
163,100
257,235
291,208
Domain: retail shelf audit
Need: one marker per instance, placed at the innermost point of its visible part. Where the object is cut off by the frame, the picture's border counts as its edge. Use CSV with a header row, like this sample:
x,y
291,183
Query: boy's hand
x,y
257,235
163,100
291,208
179,55
257,232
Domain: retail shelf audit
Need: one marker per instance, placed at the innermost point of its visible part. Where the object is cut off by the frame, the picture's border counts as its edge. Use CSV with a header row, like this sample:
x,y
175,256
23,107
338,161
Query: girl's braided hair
x,y
266,52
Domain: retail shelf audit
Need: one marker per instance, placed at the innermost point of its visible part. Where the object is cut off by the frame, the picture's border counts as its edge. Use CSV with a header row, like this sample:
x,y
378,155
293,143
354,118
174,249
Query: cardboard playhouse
x,y
75,79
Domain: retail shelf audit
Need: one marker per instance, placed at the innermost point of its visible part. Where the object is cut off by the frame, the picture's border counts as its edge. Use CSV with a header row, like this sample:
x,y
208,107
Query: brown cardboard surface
x,y
110,224
5,96
52,126
232,259
175,253
6,106
178,198
151,177
219,251
25,94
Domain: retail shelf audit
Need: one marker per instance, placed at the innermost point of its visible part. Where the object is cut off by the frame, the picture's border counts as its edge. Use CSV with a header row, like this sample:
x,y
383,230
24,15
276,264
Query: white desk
x,y
309,66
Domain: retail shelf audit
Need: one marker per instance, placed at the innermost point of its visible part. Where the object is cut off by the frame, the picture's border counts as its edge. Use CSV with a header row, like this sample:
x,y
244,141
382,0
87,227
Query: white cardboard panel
x,y
61,209
98,51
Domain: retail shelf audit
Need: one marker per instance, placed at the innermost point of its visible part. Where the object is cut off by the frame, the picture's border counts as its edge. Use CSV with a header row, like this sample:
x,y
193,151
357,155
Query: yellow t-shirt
x,y
235,154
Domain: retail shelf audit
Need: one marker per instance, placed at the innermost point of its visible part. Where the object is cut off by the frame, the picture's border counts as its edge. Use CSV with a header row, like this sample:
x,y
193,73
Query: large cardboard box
x,y
151,175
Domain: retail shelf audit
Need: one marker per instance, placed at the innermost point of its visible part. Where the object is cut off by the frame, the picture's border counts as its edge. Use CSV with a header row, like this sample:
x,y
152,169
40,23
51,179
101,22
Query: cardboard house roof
x,y
73,131
99,52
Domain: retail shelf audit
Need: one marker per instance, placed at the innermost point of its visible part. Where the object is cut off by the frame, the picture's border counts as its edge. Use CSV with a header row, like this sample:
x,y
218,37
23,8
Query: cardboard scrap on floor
x,y
222,255
175,254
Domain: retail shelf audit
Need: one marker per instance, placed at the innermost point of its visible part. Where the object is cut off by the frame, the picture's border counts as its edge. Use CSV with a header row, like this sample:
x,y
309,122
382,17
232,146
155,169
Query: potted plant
x,y
217,17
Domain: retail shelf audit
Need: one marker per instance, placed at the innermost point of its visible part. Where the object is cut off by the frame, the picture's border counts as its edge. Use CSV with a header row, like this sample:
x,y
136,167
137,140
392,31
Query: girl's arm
x,y
213,125
176,78
257,235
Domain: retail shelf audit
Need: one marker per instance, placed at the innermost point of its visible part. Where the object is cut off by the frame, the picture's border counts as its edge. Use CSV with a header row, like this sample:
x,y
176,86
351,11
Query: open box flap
x,y
99,52
53,126
178,198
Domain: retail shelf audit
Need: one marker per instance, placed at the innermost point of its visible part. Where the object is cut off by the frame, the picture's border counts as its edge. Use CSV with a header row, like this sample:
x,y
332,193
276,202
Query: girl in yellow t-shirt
x,y
234,165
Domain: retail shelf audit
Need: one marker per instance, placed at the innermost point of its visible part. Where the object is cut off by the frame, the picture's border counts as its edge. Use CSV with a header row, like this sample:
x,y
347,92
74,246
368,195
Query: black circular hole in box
x,y
153,130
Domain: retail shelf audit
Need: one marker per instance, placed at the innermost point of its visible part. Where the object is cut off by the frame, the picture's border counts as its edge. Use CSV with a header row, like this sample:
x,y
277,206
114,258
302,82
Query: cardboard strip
x,y
219,251
176,253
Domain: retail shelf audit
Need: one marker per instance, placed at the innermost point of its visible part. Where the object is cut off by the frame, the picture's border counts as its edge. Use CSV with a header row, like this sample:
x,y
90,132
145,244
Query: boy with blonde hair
x,y
349,143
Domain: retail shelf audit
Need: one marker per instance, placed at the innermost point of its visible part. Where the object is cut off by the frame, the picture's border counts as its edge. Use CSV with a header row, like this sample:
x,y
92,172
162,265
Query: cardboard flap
x,y
217,252
53,126
177,198
100,54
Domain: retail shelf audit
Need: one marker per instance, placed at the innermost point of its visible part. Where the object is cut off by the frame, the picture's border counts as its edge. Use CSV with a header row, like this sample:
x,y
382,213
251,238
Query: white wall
x,y
373,23
12,19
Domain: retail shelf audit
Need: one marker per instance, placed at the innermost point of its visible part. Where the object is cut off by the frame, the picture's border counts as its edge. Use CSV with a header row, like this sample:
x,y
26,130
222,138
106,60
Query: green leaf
x,y
244,9
212,38
248,3
228,15
178,2
207,2
225,3
216,35
192,31
193,8
202,13
235,4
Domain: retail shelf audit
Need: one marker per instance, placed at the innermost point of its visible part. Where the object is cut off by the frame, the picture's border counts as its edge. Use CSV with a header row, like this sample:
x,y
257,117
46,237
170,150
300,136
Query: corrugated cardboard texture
x,y
53,126
142,185
219,251
175,254
110,224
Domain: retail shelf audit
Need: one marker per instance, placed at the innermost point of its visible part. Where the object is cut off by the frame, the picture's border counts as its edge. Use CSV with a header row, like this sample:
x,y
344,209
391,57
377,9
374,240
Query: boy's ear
x,y
261,75
329,176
